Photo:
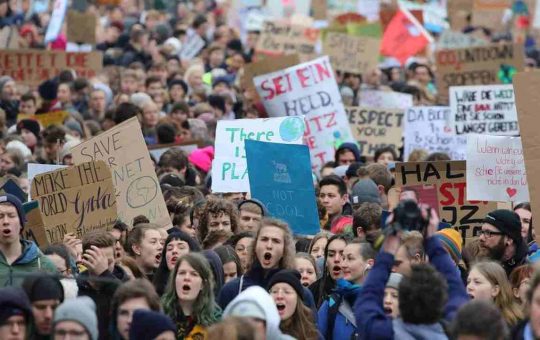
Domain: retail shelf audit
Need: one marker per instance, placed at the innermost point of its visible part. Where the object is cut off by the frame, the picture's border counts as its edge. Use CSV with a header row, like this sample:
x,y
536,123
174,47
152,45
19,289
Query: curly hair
x,y
216,207
205,309
287,260
422,295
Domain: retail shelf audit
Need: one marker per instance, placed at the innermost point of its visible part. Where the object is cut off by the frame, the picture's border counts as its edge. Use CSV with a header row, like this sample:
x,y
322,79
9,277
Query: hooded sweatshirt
x,y
31,260
260,297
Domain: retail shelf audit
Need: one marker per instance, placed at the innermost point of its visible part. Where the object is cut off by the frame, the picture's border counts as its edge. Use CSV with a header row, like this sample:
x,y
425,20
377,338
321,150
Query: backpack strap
x,y
334,301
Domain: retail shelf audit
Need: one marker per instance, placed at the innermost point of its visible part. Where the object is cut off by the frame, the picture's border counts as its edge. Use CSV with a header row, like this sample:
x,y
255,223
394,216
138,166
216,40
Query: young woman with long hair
x,y
487,281
189,298
297,319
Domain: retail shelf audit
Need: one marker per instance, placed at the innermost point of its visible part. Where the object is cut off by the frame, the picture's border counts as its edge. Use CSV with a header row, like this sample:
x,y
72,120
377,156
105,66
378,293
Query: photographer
x,y
426,296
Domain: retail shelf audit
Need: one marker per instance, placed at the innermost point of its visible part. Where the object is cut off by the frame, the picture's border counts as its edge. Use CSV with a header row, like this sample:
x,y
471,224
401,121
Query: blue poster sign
x,y
280,177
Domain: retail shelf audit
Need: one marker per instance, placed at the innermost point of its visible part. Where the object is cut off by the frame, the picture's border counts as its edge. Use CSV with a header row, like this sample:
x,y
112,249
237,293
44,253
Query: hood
x,y
30,252
264,301
408,331
217,268
351,147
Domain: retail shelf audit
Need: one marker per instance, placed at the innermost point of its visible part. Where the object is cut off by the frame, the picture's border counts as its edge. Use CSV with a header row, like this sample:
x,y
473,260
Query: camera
x,y
408,217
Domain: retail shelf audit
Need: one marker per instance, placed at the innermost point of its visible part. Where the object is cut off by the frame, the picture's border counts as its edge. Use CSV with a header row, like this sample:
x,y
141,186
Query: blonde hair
x,y
505,300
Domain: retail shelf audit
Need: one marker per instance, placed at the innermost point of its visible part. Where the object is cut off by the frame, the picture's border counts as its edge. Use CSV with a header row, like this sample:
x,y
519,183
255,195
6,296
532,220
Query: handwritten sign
x,y
32,67
385,99
496,169
452,39
75,200
376,128
280,38
483,109
351,54
280,177
449,180
229,167
134,177
191,48
483,65
309,89
490,13
426,128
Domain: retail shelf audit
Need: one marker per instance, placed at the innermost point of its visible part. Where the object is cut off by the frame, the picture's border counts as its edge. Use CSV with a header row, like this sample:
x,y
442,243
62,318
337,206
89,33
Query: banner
x,y
309,89
280,38
46,119
448,178
483,65
426,128
134,177
351,54
32,67
81,27
375,128
280,177
75,200
229,168
496,169
385,99
57,19
483,110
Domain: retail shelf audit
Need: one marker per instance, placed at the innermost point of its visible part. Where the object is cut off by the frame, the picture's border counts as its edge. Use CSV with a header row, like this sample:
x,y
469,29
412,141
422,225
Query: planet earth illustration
x,y
291,129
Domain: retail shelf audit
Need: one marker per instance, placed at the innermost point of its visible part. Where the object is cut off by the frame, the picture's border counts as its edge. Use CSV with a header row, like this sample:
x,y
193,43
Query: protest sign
x,y
526,86
10,38
426,127
448,178
309,89
280,177
258,68
318,8
280,38
495,169
450,39
56,21
351,54
35,169
385,99
134,177
229,168
9,186
46,119
458,11
376,128
81,27
483,109
34,227
191,48
75,200
490,13
482,65
188,146
32,67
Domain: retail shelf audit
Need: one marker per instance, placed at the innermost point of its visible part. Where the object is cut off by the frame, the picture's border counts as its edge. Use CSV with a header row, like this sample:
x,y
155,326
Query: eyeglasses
x,y
489,233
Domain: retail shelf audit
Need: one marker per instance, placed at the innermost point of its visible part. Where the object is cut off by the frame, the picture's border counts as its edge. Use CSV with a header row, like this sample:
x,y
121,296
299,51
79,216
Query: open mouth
x,y
471,296
305,284
388,310
267,258
280,307
6,231
174,259
158,258
336,270
186,288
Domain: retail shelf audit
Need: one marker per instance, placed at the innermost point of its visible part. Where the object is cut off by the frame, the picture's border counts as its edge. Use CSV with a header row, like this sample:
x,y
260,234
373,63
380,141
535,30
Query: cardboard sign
x,y
448,179
385,99
56,21
351,54
229,167
458,11
280,38
483,109
526,86
490,13
35,169
309,89
426,128
258,68
34,228
32,67
375,128
496,169
9,38
191,48
450,39
81,27
137,187
75,200
46,119
280,177
483,65
319,9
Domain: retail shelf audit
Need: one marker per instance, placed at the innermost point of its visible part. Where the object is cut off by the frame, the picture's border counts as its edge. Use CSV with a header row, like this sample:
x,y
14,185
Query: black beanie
x,y
48,89
30,125
13,301
148,324
43,287
9,198
507,222
290,276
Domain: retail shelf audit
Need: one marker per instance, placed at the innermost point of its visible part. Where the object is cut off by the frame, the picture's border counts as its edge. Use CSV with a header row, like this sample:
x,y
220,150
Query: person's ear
x,y
370,263
381,190
495,290
516,292
360,232
136,249
345,198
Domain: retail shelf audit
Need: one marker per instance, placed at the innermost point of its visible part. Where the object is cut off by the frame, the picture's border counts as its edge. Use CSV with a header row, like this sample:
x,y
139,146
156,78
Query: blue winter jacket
x,y
373,323
345,322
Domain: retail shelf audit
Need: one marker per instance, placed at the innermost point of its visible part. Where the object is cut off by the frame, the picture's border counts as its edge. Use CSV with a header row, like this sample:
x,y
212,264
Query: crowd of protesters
x,y
225,269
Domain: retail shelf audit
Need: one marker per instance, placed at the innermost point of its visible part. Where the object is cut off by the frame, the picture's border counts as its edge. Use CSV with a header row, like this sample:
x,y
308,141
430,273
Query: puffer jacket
x,y
31,260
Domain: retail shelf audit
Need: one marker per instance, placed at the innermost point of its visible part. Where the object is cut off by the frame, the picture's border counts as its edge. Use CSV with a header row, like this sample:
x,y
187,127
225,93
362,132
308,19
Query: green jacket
x,y
31,260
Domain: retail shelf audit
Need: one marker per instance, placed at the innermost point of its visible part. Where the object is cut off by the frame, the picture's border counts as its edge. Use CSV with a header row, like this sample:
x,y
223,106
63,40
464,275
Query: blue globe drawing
x,y
291,129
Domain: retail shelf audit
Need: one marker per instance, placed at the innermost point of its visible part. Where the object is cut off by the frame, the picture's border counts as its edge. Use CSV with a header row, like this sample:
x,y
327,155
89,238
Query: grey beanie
x,y
81,310
394,280
365,190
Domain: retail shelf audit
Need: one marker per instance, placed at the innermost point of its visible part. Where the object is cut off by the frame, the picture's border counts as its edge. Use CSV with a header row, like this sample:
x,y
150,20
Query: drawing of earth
x,y
291,129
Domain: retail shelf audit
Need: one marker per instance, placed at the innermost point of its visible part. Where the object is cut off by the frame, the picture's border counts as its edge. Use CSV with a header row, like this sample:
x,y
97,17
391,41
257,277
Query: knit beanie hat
x,y
291,277
43,287
507,222
393,280
81,310
30,125
48,90
9,198
4,80
13,301
452,242
147,325
365,190
202,158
